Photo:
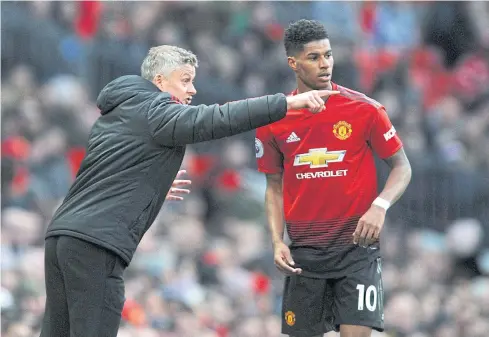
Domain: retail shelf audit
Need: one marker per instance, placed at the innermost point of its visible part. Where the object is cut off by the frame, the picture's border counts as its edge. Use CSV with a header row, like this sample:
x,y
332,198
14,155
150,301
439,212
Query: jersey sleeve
x,y
268,156
383,137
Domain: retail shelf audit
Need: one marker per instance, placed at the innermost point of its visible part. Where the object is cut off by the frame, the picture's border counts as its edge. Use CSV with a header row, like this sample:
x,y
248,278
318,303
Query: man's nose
x,y
191,89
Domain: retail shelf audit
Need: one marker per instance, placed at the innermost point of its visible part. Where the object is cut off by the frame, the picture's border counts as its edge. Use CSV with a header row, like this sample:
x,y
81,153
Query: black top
x,y
134,152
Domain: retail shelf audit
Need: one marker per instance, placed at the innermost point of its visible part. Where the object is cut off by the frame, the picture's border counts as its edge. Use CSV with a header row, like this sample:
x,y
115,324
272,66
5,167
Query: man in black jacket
x,y
134,152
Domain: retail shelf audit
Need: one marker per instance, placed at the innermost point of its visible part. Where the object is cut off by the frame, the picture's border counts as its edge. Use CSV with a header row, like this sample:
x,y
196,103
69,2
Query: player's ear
x,y
292,62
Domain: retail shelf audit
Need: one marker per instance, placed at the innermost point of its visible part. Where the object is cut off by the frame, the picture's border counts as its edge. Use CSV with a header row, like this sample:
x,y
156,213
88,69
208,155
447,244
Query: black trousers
x,y
84,287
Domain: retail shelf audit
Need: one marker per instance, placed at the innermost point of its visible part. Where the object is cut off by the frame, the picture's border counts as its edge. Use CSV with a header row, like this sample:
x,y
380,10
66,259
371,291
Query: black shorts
x,y
84,289
314,306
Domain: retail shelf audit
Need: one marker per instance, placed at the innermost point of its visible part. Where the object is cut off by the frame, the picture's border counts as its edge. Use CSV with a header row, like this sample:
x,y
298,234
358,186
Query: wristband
x,y
382,203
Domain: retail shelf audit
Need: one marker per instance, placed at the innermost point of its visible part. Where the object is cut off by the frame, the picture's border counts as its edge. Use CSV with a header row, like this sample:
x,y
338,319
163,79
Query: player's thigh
x,y
306,306
94,287
358,299
56,318
355,331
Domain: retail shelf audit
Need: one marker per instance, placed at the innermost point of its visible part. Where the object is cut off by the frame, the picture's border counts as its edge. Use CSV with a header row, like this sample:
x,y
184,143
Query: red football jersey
x,y
327,161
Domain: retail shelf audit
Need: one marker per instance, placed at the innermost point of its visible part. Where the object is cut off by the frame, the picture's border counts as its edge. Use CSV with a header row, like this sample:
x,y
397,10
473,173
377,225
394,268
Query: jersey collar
x,y
296,91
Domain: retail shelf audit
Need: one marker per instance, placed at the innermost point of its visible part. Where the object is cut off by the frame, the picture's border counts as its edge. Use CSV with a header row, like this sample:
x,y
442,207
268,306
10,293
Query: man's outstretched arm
x,y
174,124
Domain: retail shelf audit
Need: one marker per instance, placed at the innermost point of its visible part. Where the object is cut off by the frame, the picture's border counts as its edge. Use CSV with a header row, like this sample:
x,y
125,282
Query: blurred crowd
x,y
205,268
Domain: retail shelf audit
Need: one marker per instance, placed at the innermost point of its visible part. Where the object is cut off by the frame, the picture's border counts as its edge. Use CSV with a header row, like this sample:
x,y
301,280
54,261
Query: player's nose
x,y
324,63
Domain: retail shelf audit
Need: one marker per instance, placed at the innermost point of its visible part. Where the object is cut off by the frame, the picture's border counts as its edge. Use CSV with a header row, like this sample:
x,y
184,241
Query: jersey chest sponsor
x,y
319,150
320,158
321,174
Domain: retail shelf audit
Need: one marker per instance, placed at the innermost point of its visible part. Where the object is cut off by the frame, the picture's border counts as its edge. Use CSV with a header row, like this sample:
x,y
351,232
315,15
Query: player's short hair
x,y
165,59
302,32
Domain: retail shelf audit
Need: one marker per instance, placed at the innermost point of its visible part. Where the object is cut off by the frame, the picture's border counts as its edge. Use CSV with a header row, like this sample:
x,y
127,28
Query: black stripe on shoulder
x,y
358,97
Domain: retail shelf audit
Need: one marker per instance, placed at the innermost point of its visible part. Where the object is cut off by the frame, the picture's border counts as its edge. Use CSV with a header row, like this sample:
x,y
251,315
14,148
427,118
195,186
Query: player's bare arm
x,y
399,177
371,223
275,213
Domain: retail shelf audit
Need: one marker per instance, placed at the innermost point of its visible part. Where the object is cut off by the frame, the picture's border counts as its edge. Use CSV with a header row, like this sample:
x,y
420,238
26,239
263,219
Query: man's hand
x,y
175,190
283,259
312,100
369,227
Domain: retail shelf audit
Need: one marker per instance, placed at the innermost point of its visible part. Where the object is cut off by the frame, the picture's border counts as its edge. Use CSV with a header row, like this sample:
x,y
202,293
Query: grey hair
x,y
165,59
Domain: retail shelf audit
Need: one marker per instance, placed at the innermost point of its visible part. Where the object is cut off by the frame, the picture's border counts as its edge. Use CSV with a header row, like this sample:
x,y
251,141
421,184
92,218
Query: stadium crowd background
x,y
205,268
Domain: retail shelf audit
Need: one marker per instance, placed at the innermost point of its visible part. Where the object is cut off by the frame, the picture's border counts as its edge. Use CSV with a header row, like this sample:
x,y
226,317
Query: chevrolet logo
x,y
319,157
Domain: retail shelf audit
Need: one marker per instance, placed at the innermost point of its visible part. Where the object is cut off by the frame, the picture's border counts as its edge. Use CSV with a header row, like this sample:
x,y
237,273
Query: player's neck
x,y
301,87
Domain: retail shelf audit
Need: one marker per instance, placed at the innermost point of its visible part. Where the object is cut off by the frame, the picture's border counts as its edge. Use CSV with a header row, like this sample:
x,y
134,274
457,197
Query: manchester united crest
x,y
290,318
342,130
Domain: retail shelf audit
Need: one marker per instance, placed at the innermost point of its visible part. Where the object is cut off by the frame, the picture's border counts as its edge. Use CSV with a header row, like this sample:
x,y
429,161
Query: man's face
x,y
180,83
314,65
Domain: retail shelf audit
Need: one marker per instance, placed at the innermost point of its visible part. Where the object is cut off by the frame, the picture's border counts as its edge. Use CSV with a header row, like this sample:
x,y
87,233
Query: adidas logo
x,y
292,138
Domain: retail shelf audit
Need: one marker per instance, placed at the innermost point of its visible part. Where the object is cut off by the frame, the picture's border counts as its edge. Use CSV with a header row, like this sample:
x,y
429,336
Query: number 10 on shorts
x,y
367,298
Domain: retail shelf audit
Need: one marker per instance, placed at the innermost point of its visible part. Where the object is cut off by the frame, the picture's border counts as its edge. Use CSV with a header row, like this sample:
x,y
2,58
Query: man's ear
x,y
160,81
292,63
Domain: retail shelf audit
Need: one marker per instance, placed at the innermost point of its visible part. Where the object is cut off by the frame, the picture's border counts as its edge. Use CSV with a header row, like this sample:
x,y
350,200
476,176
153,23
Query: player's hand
x,y
283,259
312,100
175,190
369,227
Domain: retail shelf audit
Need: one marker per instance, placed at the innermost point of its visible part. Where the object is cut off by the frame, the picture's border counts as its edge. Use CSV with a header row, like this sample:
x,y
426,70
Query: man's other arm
x,y
174,124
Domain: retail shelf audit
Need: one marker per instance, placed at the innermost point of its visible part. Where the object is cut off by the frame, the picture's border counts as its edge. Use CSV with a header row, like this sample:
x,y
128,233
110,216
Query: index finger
x,y
286,268
358,230
181,173
362,239
326,93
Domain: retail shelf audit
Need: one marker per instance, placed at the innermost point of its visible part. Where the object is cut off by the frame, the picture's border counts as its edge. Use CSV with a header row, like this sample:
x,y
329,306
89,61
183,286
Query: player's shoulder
x,y
290,118
359,99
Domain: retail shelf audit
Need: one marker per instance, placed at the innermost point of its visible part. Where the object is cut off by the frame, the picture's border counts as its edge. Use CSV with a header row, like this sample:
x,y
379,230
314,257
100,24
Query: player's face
x,y
180,83
314,65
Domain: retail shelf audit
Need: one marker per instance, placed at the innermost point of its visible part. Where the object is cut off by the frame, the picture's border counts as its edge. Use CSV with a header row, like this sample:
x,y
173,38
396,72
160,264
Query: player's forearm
x,y
275,211
397,181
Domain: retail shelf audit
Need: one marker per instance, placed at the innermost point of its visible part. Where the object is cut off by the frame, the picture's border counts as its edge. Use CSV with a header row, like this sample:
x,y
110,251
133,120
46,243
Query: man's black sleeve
x,y
173,124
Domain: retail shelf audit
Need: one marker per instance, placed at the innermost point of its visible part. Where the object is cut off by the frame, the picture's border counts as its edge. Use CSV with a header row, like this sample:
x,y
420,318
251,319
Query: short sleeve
x,y
383,138
268,156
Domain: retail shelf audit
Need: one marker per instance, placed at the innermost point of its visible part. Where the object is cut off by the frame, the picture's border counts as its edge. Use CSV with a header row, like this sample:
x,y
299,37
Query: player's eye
x,y
328,55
